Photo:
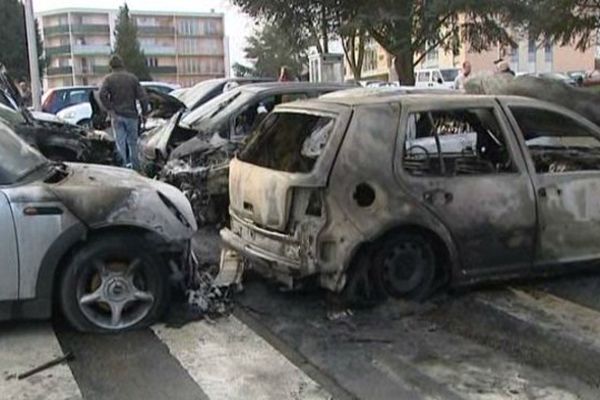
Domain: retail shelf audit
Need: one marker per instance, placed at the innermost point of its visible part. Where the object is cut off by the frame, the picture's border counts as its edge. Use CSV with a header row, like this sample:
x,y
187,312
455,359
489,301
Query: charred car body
x,y
54,138
380,196
200,144
99,242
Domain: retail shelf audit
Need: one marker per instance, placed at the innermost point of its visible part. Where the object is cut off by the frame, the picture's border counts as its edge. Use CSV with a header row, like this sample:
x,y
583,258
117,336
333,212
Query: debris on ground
x,y
52,363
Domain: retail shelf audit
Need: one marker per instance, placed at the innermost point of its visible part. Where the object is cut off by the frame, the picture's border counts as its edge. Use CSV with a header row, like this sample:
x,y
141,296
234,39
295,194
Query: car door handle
x,y
544,191
437,197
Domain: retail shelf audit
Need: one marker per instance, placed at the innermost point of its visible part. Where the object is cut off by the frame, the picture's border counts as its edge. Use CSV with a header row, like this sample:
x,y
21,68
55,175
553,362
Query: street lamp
x,y
34,71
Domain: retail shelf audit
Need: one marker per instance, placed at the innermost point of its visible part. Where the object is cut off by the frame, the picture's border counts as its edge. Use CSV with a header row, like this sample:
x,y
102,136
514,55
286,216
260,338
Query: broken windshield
x,y
18,158
211,109
290,142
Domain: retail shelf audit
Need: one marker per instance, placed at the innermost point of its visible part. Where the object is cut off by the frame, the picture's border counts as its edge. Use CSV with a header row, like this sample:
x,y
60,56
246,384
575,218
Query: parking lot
x,y
529,340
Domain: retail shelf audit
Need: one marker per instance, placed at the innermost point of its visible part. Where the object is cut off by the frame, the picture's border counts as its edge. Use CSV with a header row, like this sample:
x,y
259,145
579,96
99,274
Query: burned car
x,y
54,138
397,196
200,144
98,242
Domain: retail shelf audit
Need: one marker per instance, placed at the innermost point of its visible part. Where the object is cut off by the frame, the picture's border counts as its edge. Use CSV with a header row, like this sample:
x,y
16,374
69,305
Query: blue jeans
x,y
126,136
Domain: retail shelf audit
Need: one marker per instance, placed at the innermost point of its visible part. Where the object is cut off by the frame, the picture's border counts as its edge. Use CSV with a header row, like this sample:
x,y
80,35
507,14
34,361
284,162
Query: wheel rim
x,y
115,294
403,267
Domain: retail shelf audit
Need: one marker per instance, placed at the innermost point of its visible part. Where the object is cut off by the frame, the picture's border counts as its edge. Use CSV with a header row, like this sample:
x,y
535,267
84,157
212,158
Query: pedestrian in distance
x,y
503,67
465,73
25,90
285,75
119,93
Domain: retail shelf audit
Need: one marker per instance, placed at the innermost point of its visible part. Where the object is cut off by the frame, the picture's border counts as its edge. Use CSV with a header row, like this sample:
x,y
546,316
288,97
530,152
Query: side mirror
x,y
440,81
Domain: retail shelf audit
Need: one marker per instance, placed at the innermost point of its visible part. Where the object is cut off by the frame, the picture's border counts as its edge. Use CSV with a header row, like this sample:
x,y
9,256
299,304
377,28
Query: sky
x,y
237,24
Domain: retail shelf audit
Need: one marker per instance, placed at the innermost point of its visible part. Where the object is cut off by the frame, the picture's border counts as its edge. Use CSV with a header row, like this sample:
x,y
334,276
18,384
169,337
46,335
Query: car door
x,y
563,151
9,266
462,163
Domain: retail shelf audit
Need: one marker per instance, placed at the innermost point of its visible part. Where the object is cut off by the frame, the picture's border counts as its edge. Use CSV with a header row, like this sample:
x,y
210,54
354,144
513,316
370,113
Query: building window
x,y
514,58
531,50
152,62
548,53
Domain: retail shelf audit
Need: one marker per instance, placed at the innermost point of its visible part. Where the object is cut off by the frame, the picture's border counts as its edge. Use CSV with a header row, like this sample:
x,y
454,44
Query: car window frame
x,y
512,145
526,154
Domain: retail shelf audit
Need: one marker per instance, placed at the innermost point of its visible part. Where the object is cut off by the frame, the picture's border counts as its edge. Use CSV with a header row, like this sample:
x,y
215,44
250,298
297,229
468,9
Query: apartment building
x,y
181,48
528,56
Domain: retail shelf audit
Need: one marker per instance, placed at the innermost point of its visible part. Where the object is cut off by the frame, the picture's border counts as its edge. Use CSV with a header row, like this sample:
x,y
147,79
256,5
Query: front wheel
x,y
114,283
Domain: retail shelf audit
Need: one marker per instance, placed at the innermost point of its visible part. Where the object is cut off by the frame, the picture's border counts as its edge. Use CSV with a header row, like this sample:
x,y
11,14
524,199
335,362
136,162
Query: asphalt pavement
x,y
534,340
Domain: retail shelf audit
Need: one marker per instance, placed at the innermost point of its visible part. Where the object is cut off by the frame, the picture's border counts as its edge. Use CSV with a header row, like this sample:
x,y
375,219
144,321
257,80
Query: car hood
x,y
46,117
107,196
163,105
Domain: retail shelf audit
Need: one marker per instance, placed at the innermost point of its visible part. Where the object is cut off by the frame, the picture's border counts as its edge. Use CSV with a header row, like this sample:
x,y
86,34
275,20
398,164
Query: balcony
x,y
169,69
155,50
92,70
56,30
91,49
90,29
54,71
156,30
58,50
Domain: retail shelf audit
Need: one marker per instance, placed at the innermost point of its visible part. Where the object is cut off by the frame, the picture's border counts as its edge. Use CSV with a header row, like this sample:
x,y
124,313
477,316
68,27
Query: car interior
x,y
455,142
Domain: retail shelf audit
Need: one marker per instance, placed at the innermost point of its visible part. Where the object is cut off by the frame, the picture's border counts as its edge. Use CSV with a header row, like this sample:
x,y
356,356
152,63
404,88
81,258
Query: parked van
x,y
434,77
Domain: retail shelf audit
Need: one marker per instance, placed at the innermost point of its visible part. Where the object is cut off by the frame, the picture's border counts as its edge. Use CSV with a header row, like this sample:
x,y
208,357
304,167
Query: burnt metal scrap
x,y
203,176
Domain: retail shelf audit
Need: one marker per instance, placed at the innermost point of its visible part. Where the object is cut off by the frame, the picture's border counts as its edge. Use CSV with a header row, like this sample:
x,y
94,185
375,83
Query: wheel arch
x,y
443,246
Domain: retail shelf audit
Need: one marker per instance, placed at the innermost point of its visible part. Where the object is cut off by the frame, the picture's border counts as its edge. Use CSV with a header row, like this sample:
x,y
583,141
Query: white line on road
x,y
229,361
26,346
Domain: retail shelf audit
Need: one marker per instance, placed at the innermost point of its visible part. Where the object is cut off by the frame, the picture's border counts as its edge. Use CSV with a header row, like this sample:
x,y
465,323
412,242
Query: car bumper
x,y
278,251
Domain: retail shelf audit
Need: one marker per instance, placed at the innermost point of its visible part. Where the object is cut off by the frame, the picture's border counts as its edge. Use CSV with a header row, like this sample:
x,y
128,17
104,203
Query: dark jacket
x,y
119,93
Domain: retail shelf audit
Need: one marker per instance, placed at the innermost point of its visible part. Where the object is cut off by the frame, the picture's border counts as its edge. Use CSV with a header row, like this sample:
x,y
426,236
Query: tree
x,y
270,47
309,20
242,71
316,22
13,40
409,30
128,46
565,21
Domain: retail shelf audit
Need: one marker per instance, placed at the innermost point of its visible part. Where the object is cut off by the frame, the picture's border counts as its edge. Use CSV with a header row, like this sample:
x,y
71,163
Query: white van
x,y
435,77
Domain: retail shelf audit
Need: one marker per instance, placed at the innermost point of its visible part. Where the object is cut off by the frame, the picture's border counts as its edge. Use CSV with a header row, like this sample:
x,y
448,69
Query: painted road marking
x,y
26,346
230,361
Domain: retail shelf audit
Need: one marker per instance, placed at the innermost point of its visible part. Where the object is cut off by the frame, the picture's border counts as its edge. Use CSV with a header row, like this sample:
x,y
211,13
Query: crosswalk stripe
x,y
23,347
552,314
229,361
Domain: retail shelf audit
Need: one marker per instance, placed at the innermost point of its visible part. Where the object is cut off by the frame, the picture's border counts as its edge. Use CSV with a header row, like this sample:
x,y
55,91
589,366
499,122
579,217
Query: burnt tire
x,y
405,266
362,288
114,283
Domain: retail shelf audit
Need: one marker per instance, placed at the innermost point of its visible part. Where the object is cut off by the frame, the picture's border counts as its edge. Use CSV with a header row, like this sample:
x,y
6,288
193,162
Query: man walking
x,y
119,93
459,82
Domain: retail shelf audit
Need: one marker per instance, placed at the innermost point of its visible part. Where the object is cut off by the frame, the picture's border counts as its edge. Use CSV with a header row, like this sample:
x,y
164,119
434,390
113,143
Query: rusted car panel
x,y
483,202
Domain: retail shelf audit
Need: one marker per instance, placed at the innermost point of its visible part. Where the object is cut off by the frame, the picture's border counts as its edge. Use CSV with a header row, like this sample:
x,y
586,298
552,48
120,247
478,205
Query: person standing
x,y
119,93
503,67
285,74
459,82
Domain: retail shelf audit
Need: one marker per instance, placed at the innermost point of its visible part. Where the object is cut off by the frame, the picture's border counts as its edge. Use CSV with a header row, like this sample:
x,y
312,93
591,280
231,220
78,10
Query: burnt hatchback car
x,y
204,140
380,196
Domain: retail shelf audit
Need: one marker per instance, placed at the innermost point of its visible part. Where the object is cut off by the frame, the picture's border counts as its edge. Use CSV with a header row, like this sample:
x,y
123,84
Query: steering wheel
x,y
427,155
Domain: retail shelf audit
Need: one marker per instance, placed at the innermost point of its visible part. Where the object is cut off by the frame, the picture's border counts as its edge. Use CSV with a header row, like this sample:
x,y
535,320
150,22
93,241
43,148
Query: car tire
x,y
362,287
405,266
114,283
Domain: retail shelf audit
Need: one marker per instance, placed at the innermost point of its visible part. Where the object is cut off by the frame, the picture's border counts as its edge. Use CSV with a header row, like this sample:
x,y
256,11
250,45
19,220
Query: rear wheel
x,y
405,266
114,283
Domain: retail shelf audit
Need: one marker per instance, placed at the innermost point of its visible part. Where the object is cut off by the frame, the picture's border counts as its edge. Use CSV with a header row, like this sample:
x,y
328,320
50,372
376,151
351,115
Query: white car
x,y
81,114
436,77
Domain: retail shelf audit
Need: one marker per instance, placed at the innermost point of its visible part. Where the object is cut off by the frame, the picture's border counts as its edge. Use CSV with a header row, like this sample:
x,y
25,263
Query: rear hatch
x,y
294,149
